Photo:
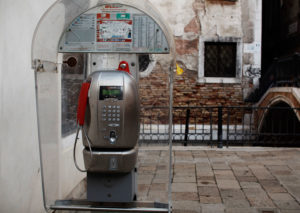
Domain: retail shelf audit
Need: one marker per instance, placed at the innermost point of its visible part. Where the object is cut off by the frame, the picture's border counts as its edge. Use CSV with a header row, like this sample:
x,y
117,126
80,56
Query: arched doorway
x,y
280,126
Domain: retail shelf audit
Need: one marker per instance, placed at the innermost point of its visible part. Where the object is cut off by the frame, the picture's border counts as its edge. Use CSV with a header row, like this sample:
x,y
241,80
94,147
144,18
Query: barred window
x,y
220,59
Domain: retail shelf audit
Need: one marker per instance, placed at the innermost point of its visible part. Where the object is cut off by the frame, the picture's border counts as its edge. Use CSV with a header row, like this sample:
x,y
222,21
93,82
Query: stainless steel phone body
x,y
112,115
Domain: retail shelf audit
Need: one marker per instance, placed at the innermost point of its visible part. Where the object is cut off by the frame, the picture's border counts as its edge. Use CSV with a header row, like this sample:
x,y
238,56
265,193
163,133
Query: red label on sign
x,y
103,16
112,6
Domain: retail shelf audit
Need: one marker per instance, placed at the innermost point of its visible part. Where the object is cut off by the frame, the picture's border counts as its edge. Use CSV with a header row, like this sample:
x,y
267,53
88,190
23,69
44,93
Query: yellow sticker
x,y
179,71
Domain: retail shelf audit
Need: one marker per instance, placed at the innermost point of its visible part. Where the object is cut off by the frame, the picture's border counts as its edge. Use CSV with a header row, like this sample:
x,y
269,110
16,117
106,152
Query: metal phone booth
x,y
86,56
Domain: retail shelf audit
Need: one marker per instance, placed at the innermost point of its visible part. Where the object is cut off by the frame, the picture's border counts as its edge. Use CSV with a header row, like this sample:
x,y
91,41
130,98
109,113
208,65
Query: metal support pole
x,y
187,123
220,127
171,71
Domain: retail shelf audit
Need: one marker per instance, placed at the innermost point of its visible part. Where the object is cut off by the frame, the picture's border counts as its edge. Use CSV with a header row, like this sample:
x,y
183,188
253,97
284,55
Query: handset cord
x,y
74,148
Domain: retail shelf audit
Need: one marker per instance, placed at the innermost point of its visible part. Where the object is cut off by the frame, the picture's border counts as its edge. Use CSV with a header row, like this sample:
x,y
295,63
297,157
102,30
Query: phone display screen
x,y
115,92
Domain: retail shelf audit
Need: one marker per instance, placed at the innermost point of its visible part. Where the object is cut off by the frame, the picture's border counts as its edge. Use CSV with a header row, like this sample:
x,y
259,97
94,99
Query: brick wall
x,y
187,92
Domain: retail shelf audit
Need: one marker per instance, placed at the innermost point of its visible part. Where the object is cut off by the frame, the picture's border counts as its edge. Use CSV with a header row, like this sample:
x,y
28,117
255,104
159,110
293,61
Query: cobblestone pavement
x,y
231,180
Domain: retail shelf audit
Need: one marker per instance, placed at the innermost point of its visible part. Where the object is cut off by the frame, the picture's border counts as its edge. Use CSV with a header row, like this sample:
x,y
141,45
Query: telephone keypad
x,y
111,113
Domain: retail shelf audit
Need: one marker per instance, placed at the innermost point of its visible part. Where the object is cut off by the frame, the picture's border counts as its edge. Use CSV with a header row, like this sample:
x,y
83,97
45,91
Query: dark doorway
x,y
281,126
271,17
280,30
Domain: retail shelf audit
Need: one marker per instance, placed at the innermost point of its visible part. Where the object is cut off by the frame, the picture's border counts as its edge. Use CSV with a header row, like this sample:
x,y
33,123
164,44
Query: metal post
x,y
187,122
220,129
171,71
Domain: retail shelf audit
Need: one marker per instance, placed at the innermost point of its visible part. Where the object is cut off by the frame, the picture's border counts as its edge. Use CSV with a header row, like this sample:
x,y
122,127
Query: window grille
x,y
220,59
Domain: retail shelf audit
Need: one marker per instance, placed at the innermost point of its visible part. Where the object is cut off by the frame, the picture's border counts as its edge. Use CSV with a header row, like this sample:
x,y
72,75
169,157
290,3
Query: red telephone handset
x,y
82,102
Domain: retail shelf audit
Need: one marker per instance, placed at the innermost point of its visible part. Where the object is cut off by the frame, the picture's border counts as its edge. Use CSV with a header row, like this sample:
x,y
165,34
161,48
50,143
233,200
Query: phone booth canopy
x,y
98,43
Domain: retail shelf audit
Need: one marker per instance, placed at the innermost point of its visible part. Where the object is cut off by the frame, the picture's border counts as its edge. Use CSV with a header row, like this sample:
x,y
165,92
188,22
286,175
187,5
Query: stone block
x,y
177,196
228,184
210,199
184,187
186,207
206,182
213,208
184,179
208,190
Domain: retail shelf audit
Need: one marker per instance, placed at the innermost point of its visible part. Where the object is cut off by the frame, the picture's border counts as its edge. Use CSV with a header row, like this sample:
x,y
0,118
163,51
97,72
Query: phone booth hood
x,y
47,59
60,15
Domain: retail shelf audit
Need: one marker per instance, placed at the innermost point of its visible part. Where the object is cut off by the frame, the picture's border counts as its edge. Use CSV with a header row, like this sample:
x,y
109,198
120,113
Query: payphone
x,y
110,129
109,36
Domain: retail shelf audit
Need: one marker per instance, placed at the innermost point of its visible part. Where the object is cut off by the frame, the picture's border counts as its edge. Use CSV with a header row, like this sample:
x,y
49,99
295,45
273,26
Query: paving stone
x,y
208,190
232,193
272,186
221,166
228,184
262,174
143,189
246,178
281,196
206,177
203,165
213,208
267,210
236,203
291,179
246,181
278,168
184,179
287,204
185,196
218,159
157,196
162,172
210,199
205,173
274,162
284,201
184,173
224,174
241,210
162,180
184,166
206,182
247,185
293,190
186,207
159,187
258,198
199,153
289,211
145,179
244,172
184,169
234,198
150,169
201,160
184,187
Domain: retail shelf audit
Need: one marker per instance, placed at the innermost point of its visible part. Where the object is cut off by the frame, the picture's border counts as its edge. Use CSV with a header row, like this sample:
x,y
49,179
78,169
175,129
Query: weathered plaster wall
x,y
251,25
20,181
193,22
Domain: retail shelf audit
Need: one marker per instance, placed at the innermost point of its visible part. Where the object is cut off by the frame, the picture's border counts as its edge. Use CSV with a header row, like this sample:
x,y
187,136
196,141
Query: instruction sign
x,y
114,28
